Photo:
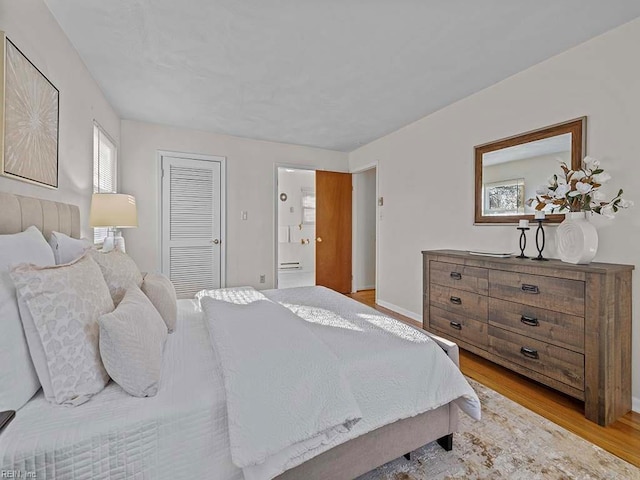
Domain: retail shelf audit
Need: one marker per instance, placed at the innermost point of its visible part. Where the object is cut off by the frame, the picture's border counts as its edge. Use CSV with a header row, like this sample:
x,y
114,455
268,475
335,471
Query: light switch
x,y
244,215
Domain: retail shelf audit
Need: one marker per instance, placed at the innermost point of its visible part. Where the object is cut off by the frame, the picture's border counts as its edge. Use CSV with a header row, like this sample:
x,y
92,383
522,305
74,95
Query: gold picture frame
x,y
29,119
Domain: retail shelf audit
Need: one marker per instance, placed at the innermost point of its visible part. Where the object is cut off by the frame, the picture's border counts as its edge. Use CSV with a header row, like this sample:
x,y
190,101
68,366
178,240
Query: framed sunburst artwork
x,y
29,117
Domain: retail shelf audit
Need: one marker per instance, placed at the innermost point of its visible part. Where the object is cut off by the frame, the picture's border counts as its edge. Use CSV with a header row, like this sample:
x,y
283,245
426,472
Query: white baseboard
x,y
402,311
635,404
366,287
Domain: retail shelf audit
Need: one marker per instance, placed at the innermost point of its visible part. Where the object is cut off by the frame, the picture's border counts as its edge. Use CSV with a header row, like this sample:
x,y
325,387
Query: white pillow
x,y
18,378
132,339
60,306
159,289
67,249
119,271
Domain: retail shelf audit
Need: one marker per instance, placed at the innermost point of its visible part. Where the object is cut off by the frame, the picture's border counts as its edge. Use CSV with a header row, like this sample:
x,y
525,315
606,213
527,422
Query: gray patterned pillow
x,y
119,271
159,289
63,304
132,339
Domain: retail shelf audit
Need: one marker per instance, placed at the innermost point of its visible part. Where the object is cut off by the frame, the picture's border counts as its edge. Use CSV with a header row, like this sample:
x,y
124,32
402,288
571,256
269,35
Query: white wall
x,y
32,27
364,231
426,170
250,187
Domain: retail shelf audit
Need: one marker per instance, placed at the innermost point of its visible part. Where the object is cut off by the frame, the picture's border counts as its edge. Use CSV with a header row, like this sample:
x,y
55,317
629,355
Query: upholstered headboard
x,y
17,213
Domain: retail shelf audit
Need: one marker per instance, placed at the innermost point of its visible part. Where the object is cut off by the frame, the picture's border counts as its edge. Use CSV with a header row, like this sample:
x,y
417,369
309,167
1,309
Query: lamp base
x,y
119,244
114,241
108,243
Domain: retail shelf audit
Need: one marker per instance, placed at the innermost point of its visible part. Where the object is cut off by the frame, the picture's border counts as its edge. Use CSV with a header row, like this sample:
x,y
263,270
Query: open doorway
x,y
296,228
365,203
314,228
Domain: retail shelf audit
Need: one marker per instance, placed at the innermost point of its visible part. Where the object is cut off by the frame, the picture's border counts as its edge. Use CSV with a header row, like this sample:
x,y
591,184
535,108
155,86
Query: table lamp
x,y
114,211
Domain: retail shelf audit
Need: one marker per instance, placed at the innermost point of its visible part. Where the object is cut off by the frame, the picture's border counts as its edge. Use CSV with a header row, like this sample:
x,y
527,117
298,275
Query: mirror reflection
x,y
513,174
510,170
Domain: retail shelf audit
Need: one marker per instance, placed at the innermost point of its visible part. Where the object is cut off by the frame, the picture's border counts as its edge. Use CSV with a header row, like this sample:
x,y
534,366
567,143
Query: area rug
x,y
510,442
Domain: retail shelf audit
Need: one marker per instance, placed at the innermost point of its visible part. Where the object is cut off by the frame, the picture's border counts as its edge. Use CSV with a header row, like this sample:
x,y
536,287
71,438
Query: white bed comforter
x,y
394,371
286,392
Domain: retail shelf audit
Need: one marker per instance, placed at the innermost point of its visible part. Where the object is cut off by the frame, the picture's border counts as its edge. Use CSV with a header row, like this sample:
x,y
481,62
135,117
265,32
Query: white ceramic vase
x,y
577,239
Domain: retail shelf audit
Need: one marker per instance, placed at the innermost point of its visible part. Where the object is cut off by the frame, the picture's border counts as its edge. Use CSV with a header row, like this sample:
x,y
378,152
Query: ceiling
x,y
325,73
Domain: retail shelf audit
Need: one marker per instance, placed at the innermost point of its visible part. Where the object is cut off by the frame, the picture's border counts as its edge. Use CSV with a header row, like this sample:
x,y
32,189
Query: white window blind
x,y
104,170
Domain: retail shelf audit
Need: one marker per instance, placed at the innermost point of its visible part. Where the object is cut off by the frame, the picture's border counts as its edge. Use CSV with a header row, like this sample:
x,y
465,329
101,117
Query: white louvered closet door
x,y
191,224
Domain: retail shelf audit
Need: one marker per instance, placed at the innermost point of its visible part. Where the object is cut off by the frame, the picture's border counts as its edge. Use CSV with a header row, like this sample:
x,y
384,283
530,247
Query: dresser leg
x,y
446,442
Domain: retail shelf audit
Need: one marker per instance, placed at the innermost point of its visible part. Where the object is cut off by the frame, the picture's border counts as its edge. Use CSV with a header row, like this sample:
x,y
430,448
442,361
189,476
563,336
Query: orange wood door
x,y
333,230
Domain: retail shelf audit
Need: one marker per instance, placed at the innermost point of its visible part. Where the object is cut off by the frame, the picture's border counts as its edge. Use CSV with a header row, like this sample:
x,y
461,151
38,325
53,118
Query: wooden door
x,y
333,230
192,243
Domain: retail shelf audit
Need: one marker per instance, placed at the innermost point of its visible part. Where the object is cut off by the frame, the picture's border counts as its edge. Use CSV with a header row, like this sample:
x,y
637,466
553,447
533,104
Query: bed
x,y
182,432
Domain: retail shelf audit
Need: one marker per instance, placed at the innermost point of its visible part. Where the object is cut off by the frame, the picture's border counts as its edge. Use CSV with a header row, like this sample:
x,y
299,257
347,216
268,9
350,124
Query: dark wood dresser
x,y
566,326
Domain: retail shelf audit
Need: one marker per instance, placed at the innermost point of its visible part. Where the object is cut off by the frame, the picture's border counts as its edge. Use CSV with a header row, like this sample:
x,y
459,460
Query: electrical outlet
x,y
244,215
263,278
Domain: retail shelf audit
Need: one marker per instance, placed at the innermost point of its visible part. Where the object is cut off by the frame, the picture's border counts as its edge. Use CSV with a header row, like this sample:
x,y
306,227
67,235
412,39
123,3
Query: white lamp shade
x,y
113,210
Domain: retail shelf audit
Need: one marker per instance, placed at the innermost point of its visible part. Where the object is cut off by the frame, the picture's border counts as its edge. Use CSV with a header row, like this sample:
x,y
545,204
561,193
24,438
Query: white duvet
x,y
394,371
286,392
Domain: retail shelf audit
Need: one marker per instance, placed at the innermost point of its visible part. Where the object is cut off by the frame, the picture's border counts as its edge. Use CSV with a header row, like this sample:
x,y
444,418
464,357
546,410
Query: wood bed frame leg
x,y
446,442
407,456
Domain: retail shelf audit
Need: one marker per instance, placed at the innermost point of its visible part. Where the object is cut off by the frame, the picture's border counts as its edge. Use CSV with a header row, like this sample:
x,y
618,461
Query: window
x,y
308,206
504,198
104,170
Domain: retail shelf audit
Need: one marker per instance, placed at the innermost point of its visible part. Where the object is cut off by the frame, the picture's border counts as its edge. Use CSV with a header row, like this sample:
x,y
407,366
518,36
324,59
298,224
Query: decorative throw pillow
x,y
132,340
60,306
159,289
67,249
119,271
18,377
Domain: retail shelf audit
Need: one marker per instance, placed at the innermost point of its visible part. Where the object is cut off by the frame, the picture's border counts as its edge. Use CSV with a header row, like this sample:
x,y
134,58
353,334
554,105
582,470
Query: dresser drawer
x,y
549,360
557,294
457,301
558,328
459,326
471,279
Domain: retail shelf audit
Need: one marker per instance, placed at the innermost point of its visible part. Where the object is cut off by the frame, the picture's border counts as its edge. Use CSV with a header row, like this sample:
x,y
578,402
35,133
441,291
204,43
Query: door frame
x,y
223,204
361,169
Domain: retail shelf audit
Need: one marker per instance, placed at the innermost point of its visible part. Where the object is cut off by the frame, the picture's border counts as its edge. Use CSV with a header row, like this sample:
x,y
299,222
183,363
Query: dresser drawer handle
x,y
529,352
530,288
456,275
531,321
456,325
455,300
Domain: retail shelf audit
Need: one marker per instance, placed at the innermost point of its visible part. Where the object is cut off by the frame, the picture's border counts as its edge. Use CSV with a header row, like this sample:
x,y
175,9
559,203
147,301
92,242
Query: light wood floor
x,y
621,438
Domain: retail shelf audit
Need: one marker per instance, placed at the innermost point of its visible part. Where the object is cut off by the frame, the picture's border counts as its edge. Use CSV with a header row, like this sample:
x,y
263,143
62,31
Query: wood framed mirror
x,y
509,171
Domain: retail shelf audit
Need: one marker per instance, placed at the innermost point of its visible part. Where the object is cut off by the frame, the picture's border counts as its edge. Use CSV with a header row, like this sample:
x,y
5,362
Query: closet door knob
x,y
319,239
215,241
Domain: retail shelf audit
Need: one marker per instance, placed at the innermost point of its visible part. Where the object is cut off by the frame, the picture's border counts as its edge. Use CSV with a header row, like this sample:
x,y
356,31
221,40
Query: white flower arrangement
x,y
579,191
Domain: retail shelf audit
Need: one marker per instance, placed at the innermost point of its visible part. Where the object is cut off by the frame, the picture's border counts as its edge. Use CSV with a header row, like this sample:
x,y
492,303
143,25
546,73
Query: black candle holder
x,y
523,241
539,243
